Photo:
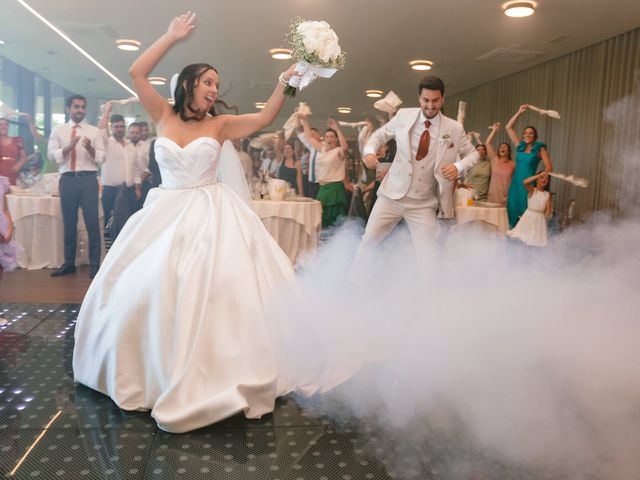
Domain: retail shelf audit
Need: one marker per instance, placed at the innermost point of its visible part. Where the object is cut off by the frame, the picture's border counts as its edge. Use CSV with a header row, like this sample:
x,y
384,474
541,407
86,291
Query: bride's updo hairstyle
x,y
183,95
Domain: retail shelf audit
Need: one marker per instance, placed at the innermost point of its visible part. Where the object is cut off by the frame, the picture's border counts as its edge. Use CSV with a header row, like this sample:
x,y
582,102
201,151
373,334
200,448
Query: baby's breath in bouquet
x,y
315,46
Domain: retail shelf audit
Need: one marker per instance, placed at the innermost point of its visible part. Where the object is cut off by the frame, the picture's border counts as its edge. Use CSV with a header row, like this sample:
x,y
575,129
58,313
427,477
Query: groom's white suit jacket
x,y
452,143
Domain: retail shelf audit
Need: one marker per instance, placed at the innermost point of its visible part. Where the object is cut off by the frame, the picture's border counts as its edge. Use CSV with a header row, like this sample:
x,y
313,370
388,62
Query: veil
x,y
230,171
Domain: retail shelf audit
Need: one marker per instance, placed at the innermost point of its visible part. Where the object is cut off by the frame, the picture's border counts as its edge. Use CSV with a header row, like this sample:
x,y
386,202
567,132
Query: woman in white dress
x,y
532,227
175,320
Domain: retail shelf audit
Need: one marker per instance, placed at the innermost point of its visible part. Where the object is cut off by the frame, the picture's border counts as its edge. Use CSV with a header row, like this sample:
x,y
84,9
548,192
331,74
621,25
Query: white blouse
x,y
330,165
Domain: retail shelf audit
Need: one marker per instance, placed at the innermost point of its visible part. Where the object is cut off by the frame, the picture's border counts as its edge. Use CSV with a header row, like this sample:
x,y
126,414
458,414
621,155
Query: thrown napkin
x,y
542,111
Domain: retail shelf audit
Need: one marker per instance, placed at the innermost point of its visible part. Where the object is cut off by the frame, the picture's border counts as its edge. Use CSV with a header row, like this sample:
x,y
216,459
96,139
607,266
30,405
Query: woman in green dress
x,y
331,168
529,152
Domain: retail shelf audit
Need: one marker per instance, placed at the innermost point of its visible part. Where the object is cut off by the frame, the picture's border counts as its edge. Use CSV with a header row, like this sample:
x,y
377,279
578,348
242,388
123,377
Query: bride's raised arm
x,y
238,126
155,104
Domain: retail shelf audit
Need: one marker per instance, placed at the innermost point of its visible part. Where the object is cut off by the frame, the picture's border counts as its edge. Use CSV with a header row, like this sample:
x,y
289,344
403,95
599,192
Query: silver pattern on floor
x,y
51,428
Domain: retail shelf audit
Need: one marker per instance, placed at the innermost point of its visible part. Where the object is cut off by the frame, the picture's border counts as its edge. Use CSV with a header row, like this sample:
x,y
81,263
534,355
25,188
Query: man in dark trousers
x,y
78,149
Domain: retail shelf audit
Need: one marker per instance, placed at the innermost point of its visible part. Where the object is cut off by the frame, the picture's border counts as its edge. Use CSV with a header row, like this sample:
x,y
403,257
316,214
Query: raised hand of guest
x,y
331,123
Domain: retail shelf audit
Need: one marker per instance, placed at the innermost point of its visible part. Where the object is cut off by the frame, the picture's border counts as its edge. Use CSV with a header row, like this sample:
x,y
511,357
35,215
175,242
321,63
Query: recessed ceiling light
x,y
344,109
374,93
280,53
128,44
519,9
260,105
421,64
2,42
157,80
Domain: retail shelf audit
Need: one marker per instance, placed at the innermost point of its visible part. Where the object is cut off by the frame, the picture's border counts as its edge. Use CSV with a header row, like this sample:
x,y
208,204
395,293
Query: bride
x,y
176,319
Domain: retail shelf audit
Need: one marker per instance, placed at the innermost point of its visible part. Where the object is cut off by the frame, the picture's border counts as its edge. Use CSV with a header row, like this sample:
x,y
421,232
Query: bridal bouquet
x,y
315,47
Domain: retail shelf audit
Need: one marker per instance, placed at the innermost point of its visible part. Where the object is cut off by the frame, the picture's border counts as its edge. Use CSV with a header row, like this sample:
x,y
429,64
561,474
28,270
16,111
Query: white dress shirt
x,y
122,164
313,158
270,166
61,137
142,153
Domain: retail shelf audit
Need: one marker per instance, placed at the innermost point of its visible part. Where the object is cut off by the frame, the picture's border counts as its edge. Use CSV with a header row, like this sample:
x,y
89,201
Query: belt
x,y
82,173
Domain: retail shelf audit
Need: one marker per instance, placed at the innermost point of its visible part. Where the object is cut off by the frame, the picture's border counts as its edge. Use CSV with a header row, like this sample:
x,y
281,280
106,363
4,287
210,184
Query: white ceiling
x,y
380,36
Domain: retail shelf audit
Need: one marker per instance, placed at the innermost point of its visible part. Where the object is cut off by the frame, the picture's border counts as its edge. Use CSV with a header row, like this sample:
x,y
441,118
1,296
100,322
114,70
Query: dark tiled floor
x,y
51,428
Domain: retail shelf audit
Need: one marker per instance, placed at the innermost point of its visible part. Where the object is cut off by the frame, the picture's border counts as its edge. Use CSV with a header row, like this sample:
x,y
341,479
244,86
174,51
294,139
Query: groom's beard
x,y
430,113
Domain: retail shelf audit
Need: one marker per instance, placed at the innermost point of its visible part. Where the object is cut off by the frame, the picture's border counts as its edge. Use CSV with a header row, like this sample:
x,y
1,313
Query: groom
x,y
420,184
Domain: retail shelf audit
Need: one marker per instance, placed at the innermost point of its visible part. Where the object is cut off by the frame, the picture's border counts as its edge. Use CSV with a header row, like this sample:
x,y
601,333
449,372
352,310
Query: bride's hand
x,y
291,72
181,26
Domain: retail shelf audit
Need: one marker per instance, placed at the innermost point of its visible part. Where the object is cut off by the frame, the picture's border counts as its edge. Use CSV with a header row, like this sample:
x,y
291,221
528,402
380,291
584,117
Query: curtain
x,y
597,92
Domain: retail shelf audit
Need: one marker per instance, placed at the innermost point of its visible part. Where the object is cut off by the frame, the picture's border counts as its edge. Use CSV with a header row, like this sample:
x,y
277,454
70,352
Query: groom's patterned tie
x,y
423,146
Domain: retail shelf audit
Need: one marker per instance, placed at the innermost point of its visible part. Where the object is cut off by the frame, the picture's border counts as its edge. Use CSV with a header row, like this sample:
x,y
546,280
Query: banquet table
x,y
497,217
295,224
39,230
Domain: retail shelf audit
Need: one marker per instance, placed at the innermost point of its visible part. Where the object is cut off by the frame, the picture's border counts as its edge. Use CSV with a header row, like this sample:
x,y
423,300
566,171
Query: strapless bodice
x,y
193,165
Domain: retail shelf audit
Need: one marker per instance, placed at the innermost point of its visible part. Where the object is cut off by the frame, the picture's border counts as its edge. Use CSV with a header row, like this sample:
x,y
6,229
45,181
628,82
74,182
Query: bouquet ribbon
x,y
309,73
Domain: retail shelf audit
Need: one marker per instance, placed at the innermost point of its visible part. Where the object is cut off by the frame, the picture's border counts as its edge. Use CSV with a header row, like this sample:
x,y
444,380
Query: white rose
x,y
329,53
311,44
318,37
310,29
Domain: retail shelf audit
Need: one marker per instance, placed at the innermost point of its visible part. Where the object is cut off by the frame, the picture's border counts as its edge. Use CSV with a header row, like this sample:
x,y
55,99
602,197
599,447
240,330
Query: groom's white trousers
x,y
420,216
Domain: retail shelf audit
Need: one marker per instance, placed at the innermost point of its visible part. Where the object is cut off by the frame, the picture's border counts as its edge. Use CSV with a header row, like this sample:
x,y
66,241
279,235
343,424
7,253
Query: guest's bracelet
x,y
282,81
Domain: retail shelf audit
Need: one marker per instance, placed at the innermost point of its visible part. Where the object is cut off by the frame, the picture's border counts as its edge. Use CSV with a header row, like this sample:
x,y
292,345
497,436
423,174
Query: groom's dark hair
x,y
431,83
184,96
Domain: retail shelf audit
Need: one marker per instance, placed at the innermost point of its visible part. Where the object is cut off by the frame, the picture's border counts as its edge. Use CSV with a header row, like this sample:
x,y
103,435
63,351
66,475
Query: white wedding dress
x,y
175,321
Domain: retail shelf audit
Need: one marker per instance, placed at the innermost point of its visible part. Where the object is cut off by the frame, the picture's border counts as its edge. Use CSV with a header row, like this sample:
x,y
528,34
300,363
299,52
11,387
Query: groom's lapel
x,y
406,131
441,146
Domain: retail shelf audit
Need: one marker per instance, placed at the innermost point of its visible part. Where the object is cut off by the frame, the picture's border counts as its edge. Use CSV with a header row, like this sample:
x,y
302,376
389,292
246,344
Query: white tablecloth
x,y
39,229
294,224
492,216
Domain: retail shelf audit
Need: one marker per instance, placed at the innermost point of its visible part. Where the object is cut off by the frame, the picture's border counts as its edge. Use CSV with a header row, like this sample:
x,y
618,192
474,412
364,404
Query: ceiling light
x,y
128,45
519,9
421,64
2,42
260,105
157,80
374,93
280,53
344,109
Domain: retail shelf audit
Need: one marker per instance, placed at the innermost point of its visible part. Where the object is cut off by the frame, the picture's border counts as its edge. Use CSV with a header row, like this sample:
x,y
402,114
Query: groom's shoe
x,y
65,269
93,271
